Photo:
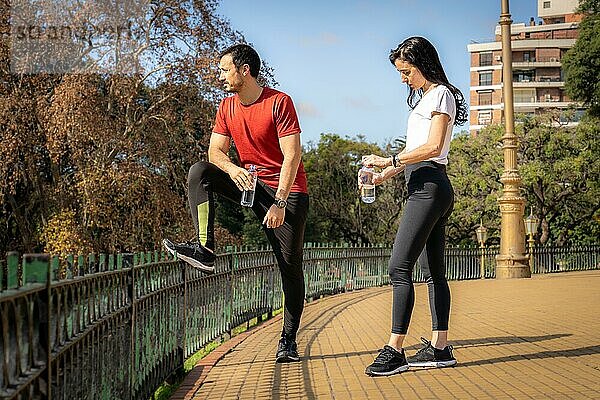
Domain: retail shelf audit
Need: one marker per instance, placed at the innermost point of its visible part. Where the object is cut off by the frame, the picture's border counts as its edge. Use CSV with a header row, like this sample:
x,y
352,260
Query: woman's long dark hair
x,y
419,52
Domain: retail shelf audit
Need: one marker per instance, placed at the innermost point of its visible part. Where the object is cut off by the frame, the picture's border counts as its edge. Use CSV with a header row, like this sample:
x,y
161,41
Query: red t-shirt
x,y
256,129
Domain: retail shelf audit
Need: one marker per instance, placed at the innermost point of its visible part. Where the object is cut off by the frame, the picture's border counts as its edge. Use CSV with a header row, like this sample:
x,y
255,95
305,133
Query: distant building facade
x,y
537,51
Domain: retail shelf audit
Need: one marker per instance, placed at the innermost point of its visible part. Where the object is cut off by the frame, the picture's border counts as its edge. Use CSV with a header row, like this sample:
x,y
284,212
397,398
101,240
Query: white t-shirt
x,y
439,99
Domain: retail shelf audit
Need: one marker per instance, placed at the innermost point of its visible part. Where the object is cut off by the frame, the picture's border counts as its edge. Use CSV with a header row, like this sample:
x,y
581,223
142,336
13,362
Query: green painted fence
x,y
116,326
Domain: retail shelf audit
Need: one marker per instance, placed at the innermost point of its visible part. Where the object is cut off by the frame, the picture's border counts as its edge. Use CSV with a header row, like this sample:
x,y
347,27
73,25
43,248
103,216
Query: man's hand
x,y
241,177
274,217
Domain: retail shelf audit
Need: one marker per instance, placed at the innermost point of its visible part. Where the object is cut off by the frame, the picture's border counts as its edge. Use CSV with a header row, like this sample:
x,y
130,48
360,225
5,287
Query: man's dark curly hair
x,y
244,54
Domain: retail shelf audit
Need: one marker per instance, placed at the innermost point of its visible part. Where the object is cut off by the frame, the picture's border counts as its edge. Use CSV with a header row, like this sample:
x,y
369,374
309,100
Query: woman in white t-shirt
x,y
436,106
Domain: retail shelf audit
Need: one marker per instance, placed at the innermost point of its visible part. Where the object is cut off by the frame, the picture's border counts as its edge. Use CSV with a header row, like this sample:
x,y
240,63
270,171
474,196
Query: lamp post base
x,y
508,267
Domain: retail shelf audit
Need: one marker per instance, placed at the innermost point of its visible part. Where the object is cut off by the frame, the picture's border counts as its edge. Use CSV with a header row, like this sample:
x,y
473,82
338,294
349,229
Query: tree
x,y
336,211
474,169
23,167
561,177
96,158
582,62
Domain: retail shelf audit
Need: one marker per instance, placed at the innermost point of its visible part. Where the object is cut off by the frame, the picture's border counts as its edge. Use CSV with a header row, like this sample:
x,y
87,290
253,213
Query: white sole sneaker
x,y
401,368
433,364
197,264
287,358
194,263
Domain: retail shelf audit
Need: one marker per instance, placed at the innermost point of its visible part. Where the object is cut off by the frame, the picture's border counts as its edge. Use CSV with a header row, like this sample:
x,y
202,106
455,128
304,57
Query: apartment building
x,y
538,79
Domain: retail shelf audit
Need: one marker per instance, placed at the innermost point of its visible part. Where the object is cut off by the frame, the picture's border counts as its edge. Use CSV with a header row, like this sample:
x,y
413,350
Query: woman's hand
x,y
386,174
378,178
373,160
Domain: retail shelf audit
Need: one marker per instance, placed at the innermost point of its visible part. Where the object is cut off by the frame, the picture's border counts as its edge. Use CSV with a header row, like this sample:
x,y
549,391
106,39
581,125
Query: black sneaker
x,y
430,357
193,253
287,351
389,362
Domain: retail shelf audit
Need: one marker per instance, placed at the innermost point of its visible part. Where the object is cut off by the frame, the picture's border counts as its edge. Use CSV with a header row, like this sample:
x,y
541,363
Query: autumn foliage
x,y
97,161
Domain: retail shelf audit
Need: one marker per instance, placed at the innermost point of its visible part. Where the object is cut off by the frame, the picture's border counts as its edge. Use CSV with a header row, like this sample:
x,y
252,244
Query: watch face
x,y
280,203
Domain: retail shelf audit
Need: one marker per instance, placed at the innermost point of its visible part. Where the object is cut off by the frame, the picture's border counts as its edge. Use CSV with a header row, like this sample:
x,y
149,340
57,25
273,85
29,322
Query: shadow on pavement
x,y
458,344
581,351
493,341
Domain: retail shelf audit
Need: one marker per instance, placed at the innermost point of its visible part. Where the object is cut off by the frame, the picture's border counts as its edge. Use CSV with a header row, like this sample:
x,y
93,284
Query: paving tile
x,y
535,338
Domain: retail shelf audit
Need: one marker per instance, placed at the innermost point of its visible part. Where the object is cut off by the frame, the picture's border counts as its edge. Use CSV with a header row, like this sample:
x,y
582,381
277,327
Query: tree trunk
x,y
22,225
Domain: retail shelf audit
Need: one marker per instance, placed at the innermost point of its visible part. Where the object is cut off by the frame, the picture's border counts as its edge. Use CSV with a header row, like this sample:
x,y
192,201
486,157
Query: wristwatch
x,y
280,203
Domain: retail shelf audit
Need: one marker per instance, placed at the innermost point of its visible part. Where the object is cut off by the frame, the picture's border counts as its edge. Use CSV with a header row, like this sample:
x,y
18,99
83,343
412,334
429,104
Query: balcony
x,y
522,104
547,63
539,82
531,104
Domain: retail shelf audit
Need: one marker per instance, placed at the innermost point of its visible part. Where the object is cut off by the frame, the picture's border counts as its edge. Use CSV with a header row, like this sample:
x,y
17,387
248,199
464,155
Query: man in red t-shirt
x,y
263,125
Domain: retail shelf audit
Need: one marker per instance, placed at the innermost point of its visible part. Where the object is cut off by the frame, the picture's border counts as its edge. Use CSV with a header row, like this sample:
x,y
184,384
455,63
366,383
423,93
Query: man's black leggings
x,y
287,240
421,235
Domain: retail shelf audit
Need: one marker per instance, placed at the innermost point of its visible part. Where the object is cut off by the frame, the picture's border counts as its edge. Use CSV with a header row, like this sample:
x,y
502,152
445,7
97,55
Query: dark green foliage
x,y
336,211
582,62
475,166
561,178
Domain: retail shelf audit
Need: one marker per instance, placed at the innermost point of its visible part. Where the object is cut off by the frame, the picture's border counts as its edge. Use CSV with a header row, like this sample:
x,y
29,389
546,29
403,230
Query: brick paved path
x,y
533,338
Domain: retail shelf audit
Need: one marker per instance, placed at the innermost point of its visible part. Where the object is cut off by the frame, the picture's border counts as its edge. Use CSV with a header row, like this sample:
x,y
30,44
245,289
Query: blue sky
x,y
331,56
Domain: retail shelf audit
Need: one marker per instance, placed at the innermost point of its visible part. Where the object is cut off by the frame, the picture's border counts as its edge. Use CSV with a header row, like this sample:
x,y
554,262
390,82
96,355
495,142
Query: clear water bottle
x,y
367,191
248,195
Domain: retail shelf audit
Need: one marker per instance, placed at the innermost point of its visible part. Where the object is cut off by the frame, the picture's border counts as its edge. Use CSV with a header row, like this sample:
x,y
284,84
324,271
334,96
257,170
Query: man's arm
x,y
292,154
217,154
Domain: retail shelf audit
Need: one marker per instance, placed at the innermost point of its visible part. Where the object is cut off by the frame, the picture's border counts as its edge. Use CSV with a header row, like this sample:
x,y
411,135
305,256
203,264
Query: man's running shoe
x,y
287,351
430,357
193,253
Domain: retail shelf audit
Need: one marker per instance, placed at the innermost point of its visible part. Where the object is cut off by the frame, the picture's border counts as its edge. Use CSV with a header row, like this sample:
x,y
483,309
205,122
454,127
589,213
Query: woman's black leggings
x,y
287,240
421,235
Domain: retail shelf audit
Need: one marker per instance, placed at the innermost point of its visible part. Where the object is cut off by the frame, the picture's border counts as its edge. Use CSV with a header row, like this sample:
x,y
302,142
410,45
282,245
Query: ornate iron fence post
x,y
128,263
185,308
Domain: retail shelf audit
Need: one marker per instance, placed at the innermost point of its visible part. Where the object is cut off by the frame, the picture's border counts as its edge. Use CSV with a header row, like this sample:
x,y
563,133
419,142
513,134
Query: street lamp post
x,y
481,232
511,262
531,225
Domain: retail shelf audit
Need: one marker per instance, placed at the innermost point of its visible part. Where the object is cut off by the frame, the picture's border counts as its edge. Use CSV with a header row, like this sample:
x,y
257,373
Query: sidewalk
x,y
535,338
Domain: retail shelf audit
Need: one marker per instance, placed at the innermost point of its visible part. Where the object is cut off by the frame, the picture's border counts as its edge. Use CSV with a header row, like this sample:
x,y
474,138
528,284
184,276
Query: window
x,y
529,56
524,76
485,98
485,59
524,95
484,117
485,78
546,4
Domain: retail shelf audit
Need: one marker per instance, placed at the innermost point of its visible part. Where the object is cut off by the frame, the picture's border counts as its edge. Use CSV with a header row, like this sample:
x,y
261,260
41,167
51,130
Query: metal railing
x,y
565,259
115,327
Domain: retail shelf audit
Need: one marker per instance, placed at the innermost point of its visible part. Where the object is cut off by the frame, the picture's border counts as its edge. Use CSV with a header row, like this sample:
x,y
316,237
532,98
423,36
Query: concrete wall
x,y
557,7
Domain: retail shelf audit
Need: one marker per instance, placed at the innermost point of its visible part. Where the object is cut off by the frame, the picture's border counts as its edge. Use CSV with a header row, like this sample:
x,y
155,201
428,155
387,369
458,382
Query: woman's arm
x,y
434,145
432,148
386,174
